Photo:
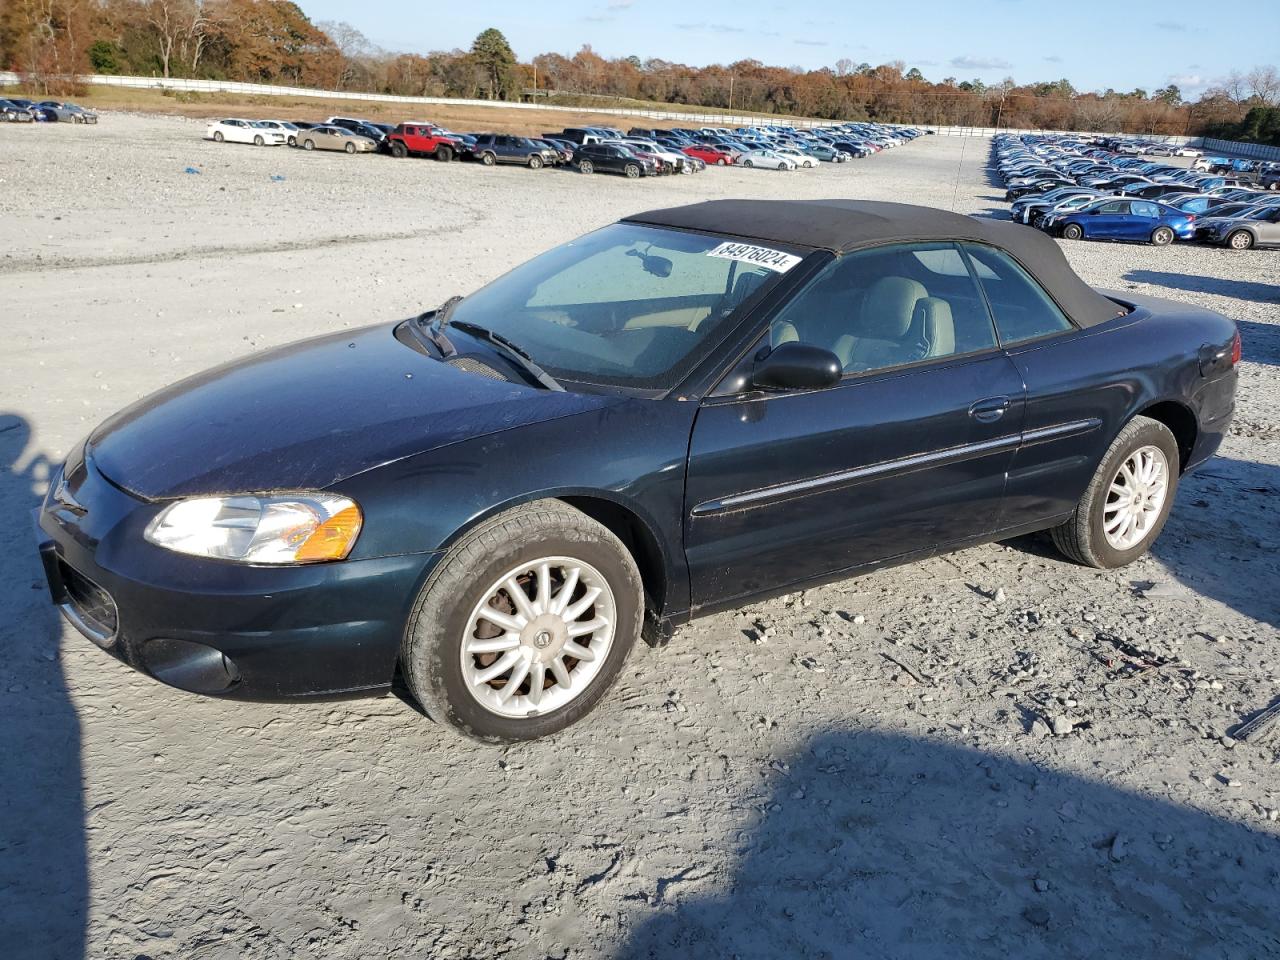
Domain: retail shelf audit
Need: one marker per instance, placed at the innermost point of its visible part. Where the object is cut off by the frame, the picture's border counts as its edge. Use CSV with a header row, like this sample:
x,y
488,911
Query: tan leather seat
x,y
885,321
937,328
782,333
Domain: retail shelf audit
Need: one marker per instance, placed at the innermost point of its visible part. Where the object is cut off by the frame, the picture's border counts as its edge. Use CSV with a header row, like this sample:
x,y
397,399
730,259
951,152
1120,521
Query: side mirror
x,y
797,366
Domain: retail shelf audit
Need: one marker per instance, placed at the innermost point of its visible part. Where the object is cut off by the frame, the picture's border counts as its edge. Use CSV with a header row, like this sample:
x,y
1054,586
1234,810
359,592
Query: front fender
x,y
632,455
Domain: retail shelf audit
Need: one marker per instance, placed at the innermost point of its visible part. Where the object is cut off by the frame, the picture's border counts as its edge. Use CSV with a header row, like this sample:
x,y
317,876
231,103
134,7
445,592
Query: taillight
x,y
1236,349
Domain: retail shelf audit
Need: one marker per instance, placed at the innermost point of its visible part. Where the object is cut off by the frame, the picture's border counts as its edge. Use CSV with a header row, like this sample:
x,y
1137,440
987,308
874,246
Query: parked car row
x,y
1078,190
20,110
639,152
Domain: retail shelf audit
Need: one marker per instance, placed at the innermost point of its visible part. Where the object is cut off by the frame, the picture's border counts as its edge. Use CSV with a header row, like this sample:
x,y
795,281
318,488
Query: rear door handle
x,y
989,410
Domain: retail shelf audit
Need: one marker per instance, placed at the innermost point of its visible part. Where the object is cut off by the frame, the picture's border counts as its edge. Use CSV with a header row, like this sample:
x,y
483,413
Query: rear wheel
x,y
586,166
444,154
631,170
350,148
524,625
535,162
1072,231
1127,502
217,136
1240,240
399,150
1162,236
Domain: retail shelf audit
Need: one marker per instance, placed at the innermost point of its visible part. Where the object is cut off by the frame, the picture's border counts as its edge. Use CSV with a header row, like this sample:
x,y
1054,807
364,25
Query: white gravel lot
x,y
855,771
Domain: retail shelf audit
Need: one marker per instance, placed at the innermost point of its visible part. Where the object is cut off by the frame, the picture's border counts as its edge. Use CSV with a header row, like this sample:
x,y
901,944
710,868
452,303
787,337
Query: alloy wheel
x,y
1136,497
538,637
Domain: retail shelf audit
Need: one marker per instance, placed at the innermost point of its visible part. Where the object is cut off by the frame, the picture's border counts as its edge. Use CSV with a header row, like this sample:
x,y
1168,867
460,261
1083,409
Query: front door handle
x,y
989,410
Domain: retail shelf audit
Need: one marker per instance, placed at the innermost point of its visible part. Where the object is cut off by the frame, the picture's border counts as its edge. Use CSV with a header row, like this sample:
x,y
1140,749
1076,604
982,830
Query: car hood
x,y
308,415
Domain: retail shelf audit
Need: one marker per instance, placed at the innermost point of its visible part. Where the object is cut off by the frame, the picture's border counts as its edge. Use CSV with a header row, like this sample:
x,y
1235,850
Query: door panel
x,y
786,488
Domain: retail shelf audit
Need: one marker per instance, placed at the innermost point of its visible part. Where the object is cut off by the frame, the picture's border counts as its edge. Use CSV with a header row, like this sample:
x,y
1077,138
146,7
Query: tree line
x,y
273,41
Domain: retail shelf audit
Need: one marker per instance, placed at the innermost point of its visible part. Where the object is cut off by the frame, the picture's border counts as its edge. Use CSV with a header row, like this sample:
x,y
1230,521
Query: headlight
x,y
288,528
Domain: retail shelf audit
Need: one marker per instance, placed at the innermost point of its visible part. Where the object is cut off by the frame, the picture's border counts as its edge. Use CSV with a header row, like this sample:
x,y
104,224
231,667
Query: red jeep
x,y
423,139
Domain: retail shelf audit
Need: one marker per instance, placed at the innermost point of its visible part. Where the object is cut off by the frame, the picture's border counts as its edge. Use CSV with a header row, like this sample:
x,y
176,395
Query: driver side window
x,y
888,307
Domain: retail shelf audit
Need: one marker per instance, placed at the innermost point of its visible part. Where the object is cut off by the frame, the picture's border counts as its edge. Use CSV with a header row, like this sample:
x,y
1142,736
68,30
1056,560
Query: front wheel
x,y
747,163
631,170
350,148
1127,502
488,159
444,154
1072,231
720,161
1240,240
535,163
308,145
258,141
524,625
1162,236
293,141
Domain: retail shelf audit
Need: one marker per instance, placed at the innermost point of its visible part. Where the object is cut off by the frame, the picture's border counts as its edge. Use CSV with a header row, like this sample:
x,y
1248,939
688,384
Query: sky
x,y
1138,43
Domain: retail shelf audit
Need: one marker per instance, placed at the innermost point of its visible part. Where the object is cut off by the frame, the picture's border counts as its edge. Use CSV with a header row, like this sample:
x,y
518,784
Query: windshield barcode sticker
x,y
774,260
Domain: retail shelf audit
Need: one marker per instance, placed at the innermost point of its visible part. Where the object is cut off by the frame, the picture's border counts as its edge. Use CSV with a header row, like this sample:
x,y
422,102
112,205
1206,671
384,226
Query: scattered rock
x,y
1041,885
1062,725
1036,916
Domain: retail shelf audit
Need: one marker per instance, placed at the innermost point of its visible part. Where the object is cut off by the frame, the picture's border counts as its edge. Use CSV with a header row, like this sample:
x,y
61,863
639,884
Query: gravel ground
x,y
987,754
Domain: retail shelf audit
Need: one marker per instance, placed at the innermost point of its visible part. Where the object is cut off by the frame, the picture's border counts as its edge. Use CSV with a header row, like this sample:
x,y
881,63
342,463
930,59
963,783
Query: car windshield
x,y
627,305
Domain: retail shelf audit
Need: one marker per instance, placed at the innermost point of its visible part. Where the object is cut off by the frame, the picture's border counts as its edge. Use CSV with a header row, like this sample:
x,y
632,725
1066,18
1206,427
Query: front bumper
x,y
327,631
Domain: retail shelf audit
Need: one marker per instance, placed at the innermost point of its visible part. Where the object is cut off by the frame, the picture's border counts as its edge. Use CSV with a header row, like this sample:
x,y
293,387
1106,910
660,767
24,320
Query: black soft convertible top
x,y
845,225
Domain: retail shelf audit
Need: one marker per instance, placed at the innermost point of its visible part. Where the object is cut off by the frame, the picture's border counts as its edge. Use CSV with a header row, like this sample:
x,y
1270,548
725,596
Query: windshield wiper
x,y
511,351
423,324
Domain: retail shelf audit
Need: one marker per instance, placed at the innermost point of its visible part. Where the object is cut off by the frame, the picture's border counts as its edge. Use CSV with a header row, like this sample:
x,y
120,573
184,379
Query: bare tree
x,y
1263,83
181,28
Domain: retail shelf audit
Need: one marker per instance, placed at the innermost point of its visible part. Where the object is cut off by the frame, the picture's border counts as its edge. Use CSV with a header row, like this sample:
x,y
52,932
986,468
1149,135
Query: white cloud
x,y
980,63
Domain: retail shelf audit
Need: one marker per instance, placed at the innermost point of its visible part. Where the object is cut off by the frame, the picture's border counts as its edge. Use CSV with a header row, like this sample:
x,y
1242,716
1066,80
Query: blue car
x,y
1143,220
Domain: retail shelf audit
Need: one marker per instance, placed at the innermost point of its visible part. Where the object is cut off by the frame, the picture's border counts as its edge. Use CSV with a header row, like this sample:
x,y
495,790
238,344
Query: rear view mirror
x,y
797,366
658,266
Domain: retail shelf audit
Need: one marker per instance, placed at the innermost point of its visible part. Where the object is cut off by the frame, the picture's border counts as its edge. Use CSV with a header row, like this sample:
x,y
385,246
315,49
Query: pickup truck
x,y
424,139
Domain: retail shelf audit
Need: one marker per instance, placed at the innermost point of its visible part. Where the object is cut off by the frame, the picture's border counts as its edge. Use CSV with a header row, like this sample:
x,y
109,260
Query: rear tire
x,y
438,657
218,137
399,150
1083,537
1240,240
1161,236
1072,231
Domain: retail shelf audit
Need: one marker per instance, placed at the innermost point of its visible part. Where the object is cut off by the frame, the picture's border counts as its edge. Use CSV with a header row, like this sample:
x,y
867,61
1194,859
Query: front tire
x,y
1128,500
488,159
535,163
308,145
258,141
350,148
524,625
1161,236
1072,231
444,154
1240,240
631,170
747,163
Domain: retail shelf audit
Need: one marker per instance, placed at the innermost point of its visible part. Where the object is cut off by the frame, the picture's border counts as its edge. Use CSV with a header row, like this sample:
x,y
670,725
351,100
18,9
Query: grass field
x,y
462,117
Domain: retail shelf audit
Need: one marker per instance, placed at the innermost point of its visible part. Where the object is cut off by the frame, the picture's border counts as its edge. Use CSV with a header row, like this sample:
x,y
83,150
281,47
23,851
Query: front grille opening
x,y
90,604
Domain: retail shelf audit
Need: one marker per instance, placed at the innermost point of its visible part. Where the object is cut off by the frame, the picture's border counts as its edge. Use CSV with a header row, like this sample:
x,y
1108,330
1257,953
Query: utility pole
x,y
731,93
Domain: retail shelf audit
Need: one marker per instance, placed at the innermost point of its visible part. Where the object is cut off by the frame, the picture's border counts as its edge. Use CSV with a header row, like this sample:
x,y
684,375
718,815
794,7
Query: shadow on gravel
x,y
992,213
878,845
1237,289
1223,538
43,871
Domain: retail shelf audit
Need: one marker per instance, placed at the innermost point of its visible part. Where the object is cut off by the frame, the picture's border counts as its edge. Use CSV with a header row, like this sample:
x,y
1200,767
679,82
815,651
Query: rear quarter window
x,y
1019,305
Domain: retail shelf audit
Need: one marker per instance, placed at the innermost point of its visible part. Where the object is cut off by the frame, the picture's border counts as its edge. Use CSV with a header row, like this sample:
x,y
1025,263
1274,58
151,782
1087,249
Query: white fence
x,y
1251,151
